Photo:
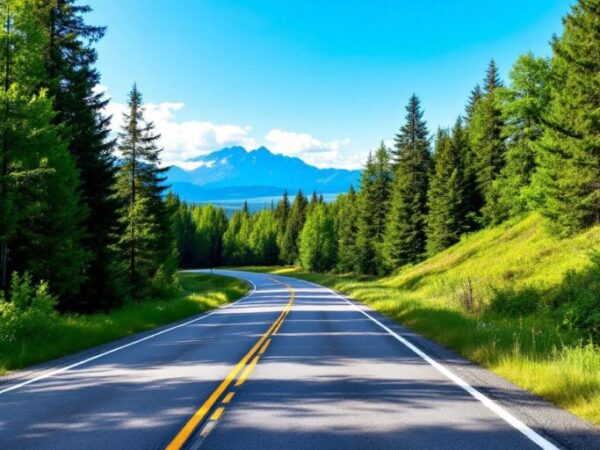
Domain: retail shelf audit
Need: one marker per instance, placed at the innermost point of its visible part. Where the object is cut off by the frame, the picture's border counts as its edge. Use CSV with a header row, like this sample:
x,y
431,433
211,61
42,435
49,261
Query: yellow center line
x,y
217,414
228,397
246,372
184,434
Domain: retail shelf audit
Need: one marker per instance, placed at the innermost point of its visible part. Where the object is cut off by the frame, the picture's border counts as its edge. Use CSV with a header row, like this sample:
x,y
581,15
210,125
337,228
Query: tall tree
x,y
568,179
446,202
72,80
373,206
289,247
282,215
405,232
147,246
347,231
318,240
487,142
41,211
523,104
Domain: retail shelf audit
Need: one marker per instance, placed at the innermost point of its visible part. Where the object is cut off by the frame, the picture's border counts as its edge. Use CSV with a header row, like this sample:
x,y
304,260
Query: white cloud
x,y
310,149
182,140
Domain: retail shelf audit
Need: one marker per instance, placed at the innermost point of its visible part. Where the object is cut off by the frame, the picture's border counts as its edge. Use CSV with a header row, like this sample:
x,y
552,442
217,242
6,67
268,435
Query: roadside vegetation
x,y
31,331
513,298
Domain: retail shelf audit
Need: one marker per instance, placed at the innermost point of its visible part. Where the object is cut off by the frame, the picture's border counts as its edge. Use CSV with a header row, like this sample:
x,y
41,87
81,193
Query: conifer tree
x,y
289,247
347,230
72,80
405,232
523,103
373,205
446,203
146,247
474,97
41,212
567,186
487,143
282,215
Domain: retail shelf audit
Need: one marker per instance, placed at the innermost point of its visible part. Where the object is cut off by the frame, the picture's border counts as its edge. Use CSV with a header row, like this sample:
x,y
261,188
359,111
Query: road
x,y
293,365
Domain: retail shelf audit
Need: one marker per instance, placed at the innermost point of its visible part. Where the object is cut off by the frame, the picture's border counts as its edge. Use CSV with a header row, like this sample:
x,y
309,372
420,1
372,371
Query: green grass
x,y
513,322
71,333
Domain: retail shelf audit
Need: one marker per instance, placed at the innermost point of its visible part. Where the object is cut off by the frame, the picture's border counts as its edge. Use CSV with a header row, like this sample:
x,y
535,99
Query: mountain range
x,y
235,173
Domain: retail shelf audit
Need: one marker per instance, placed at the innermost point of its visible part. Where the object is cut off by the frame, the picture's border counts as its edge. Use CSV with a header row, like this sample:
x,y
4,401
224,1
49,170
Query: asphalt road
x,y
291,366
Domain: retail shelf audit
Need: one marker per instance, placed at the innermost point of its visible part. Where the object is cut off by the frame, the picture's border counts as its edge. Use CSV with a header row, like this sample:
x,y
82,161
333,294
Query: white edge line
x,y
489,403
92,358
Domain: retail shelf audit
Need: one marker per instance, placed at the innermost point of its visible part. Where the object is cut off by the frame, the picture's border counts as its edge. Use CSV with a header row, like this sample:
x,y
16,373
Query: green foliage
x,y
487,144
318,241
373,207
523,104
566,185
405,239
297,216
147,246
347,231
28,310
446,197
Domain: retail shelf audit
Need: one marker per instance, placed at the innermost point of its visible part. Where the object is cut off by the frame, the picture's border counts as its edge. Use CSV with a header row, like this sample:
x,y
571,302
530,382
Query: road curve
x,y
292,365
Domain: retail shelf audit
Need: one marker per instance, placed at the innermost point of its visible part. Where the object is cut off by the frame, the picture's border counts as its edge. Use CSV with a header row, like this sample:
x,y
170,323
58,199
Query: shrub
x,y
28,309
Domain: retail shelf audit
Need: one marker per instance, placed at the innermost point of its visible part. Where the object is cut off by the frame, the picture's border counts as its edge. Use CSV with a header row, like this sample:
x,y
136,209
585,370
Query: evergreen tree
x,y
318,240
289,247
474,97
263,238
523,106
282,215
236,240
487,143
405,232
446,202
41,212
347,231
373,205
71,80
146,248
567,186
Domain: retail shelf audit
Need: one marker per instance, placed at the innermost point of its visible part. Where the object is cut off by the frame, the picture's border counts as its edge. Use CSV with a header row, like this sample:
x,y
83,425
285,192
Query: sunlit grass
x,y
72,333
517,267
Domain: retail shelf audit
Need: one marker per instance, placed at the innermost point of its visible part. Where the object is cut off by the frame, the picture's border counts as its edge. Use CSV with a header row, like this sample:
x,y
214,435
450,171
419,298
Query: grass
x,y
498,298
71,333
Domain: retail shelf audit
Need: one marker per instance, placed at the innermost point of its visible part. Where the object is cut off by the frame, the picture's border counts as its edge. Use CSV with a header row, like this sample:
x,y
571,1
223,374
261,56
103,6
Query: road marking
x,y
184,434
264,347
122,347
246,372
489,403
228,398
217,414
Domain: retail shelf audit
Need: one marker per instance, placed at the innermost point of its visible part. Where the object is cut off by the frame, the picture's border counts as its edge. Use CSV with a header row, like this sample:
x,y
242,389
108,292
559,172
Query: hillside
x,y
512,298
235,173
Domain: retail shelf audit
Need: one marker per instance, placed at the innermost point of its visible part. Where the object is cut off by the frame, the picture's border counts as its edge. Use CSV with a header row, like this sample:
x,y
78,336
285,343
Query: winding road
x,y
292,365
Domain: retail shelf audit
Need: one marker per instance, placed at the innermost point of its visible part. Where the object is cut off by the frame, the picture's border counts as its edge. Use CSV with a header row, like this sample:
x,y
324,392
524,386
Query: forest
x,y
86,223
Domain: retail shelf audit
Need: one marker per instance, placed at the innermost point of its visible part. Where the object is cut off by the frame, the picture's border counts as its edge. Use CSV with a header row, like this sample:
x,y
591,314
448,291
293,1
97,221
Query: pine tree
x,y
405,232
71,80
474,97
523,103
446,202
318,240
347,231
487,143
41,212
263,238
282,215
373,205
147,246
289,247
567,186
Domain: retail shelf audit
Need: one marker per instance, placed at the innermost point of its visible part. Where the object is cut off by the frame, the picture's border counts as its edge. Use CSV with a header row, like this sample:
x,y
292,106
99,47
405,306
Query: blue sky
x,y
324,80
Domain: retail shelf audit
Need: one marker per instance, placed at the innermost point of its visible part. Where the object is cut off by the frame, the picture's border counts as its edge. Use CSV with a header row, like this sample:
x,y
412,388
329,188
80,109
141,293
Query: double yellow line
x,y
253,355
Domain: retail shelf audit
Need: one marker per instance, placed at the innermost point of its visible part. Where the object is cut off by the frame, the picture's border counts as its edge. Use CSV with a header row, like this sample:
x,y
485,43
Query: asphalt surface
x,y
320,371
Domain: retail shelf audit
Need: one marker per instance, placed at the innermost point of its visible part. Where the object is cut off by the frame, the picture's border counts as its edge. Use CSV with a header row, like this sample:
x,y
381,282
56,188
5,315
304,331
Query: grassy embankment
x,y
72,333
512,298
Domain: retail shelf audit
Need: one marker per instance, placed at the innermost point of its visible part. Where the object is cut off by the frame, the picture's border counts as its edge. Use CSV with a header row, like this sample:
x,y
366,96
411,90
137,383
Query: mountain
x,y
235,173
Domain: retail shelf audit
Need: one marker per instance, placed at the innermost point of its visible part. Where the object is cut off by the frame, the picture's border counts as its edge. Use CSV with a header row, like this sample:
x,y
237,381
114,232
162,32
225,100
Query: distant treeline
x,y
530,144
